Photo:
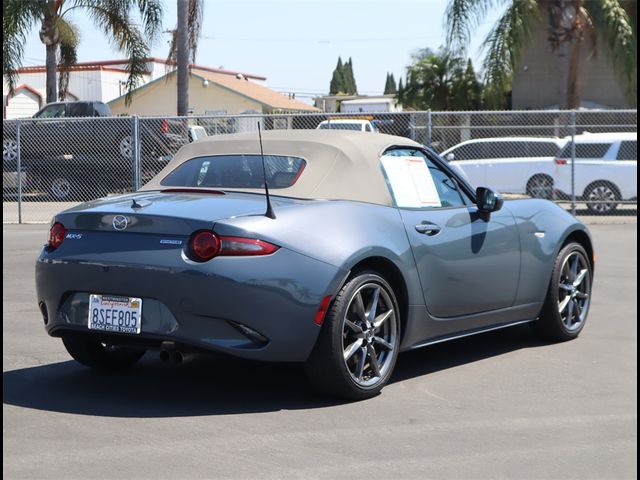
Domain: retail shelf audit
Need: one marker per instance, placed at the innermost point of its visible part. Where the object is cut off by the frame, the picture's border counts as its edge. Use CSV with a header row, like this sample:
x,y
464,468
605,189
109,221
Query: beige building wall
x,y
160,99
536,83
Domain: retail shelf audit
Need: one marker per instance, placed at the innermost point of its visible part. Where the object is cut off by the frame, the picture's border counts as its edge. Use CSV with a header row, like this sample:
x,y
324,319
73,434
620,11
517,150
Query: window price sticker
x,y
411,182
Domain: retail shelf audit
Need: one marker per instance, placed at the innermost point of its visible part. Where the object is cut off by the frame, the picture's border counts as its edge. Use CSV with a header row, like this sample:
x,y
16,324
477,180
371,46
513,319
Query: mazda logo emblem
x,y
120,222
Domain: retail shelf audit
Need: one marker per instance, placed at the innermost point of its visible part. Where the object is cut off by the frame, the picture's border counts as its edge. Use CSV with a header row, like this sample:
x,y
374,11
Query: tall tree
x,y
349,79
184,46
61,37
571,23
337,86
390,87
440,81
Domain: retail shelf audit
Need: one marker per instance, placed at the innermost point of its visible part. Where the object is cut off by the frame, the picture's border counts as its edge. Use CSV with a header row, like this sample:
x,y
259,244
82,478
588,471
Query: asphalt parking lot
x,y
498,405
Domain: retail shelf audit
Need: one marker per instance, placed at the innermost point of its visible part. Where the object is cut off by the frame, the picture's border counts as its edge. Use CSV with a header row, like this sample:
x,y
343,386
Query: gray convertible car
x,y
365,245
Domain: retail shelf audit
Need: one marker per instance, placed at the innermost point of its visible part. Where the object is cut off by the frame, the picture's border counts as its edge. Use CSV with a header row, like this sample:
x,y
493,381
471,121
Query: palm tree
x,y
61,36
440,81
184,46
571,24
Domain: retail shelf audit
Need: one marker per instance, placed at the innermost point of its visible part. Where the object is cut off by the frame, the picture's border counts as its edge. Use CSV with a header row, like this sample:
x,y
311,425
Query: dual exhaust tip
x,y
170,353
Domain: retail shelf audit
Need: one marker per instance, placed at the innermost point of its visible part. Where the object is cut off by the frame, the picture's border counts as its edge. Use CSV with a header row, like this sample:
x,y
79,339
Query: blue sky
x,y
296,43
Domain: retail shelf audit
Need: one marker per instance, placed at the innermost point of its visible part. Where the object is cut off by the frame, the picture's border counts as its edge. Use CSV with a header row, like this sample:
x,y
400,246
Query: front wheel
x,y
567,303
101,356
358,345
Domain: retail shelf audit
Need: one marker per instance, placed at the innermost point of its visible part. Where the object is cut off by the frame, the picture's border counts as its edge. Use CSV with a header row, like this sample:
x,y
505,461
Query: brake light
x,y
205,245
164,126
239,246
561,161
56,235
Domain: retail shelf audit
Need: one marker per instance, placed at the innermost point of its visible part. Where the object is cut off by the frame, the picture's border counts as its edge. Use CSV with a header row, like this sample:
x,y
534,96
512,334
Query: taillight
x,y
56,235
205,245
239,246
561,161
164,126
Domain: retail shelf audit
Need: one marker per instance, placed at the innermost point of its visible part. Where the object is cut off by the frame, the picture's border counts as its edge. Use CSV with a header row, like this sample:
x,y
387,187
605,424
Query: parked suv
x,y
606,169
508,164
69,156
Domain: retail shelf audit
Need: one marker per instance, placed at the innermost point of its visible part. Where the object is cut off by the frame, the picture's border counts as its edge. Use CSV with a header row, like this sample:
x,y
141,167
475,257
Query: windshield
x,y
341,126
236,171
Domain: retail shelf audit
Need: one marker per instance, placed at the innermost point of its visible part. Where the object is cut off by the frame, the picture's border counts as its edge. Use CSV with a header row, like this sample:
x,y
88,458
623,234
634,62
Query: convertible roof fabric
x,y
341,165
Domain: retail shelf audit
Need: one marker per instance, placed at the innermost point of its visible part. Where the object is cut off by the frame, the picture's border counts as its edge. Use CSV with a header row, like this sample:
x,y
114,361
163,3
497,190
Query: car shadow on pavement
x,y
217,384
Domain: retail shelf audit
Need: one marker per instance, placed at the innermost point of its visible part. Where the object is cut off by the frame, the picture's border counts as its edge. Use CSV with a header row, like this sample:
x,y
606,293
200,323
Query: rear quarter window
x,y
586,150
236,171
628,151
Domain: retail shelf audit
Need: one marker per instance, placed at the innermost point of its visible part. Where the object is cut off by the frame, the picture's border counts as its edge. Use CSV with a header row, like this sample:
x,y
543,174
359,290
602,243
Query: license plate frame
x,y
115,314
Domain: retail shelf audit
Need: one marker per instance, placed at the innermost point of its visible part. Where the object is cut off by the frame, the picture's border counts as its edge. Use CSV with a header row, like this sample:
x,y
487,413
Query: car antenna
x,y
269,213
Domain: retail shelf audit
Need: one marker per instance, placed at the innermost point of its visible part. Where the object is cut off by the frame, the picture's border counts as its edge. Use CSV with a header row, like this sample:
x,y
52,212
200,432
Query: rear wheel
x,y
602,198
357,348
566,306
101,356
540,186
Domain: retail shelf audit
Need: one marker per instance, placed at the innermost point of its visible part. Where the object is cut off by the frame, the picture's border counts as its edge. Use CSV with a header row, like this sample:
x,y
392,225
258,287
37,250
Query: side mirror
x,y
450,157
488,200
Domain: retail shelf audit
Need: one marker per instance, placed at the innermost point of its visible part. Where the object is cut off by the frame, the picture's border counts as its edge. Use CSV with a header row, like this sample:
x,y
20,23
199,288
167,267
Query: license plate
x,y
111,313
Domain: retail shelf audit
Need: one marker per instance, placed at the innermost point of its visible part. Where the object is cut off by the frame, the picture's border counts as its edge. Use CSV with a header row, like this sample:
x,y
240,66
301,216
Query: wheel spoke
x,y
353,326
360,307
580,277
373,307
574,268
565,287
373,360
569,320
361,363
582,296
351,349
380,319
563,304
578,309
383,342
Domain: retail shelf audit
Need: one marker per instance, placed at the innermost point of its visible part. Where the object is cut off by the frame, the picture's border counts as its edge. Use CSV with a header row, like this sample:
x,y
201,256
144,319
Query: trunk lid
x,y
168,213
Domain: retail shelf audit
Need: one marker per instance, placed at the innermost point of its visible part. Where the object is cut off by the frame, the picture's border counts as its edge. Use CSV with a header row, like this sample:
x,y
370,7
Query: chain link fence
x,y
584,160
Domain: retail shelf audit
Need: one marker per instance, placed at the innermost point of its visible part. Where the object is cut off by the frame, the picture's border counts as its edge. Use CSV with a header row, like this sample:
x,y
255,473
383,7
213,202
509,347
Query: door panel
x,y
468,264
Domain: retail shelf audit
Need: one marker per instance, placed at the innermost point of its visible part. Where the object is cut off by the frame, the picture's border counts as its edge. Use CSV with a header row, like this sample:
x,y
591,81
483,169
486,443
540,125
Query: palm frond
x,y
614,25
18,17
461,19
112,18
69,36
151,14
505,44
194,19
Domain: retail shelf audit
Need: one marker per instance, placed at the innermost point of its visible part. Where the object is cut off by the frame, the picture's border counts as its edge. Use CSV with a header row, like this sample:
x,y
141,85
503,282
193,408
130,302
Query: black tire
x,y
100,356
540,186
327,369
602,191
555,322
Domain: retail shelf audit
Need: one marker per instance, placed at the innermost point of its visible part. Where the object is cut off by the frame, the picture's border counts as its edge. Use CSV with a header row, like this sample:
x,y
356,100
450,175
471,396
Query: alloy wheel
x,y
9,150
126,147
369,335
602,199
574,291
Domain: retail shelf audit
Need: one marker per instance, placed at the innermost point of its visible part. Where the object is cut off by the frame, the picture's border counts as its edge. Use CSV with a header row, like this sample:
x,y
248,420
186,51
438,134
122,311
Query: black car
x,y
78,150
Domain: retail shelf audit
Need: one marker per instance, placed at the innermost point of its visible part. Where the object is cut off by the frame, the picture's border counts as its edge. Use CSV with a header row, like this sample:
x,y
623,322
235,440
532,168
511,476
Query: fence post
x,y
135,145
573,162
429,127
412,126
19,168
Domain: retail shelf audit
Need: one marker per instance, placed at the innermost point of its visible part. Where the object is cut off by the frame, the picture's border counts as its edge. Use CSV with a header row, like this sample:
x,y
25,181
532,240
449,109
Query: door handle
x,y
429,229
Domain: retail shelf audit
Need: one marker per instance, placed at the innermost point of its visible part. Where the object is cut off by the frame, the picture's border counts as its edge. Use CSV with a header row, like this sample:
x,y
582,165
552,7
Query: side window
x,y
51,111
412,185
367,128
469,151
542,149
628,151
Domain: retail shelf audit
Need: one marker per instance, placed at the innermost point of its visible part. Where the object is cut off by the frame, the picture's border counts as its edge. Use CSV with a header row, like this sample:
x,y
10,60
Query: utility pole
x,y
182,58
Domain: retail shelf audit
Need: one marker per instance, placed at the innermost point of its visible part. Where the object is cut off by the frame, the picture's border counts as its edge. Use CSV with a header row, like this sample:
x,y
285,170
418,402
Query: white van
x,y
347,124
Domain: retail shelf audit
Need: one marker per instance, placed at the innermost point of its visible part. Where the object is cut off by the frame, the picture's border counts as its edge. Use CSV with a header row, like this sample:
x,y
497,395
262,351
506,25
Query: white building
x,y
98,81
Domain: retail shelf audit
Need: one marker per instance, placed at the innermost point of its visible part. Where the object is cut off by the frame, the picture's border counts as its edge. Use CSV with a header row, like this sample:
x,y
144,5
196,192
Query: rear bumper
x,y
276,296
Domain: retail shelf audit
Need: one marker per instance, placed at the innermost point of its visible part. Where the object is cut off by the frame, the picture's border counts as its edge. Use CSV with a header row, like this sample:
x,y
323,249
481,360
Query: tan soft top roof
x,y
341,165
